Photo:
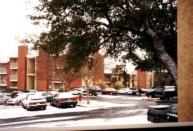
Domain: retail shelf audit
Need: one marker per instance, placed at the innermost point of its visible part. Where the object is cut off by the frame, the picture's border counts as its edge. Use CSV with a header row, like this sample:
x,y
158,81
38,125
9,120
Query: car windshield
x,y
35,97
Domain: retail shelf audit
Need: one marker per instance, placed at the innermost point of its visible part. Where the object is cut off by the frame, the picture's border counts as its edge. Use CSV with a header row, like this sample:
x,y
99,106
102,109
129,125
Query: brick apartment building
x,y
143,79
31,70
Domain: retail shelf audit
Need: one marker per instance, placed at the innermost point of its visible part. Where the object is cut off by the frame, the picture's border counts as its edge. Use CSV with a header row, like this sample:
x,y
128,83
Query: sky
x,y
15,25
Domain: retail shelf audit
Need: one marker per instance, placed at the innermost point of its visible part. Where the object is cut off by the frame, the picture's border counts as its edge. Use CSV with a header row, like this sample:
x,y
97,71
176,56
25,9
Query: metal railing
x,y
3,83
13,66
3,71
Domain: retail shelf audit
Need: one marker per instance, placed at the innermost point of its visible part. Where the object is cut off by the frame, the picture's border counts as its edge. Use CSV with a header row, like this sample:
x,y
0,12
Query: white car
x,y
17,99
78,91
4,97
34,102
125,91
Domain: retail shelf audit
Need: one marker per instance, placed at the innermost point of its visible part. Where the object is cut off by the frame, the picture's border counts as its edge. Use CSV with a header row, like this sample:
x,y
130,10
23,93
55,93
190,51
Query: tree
x,y
87,72
82,27
67,76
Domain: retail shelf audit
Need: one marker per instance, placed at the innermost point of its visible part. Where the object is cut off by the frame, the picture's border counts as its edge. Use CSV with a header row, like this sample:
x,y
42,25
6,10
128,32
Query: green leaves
x,y
81,28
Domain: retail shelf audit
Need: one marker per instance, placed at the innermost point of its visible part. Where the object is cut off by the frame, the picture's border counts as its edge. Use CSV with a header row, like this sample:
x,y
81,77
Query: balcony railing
x,y
13,87
13,66
3,71
13,77
3,83
31,72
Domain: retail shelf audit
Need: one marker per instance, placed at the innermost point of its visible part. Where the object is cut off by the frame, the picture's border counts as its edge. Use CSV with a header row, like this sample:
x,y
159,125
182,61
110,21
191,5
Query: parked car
x,y
16,100
97,89
53,92
163,113
34,102
4,97
125,91
64,99
169,92
162,92
155,92
111,91
93,92
46,95
134,91
78,91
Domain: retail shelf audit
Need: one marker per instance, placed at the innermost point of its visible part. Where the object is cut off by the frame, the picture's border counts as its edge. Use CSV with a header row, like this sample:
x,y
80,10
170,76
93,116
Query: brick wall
x,y
141,79
42,71
22,62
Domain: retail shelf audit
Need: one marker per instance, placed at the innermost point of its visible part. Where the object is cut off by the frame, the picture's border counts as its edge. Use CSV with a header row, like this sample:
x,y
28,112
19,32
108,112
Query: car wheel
x,y
43,108
58,105
23,105
19,103
126,93
74,105
28,109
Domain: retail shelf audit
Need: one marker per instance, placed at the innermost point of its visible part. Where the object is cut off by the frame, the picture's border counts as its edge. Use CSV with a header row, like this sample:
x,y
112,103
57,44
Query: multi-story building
x,y
137,78
32,69
13,72
3,74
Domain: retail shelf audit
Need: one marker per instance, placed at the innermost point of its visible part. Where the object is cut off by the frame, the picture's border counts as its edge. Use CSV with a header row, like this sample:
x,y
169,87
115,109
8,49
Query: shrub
x,y
118,85
102,84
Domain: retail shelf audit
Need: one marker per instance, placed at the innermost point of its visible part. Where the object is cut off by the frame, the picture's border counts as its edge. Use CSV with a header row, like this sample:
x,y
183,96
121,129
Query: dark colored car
x,y
163,114
155,92
97,89
162,92
134,91
47,95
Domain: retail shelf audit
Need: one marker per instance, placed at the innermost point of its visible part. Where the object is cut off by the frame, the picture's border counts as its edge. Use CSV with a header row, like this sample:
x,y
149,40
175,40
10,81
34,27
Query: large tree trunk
x,y
165,58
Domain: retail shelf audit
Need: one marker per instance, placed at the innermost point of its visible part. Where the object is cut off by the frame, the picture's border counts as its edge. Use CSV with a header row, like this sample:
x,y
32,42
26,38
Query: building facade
x,y
32,70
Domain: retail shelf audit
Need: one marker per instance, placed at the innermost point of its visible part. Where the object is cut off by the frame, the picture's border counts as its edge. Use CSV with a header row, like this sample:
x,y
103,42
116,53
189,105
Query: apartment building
x,y
32,70
3,74
137,78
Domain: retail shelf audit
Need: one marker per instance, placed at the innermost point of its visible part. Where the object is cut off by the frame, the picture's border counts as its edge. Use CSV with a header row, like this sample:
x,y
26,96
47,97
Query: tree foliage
x,y
82,27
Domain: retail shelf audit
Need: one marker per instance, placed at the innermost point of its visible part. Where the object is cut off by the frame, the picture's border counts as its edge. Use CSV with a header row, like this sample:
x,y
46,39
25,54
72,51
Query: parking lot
x,y
102,110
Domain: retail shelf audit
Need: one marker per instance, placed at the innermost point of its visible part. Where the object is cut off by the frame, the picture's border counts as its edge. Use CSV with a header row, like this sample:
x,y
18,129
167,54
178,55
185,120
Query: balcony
x,y
3,83
13,66
3,71
13,77
13,87
31,72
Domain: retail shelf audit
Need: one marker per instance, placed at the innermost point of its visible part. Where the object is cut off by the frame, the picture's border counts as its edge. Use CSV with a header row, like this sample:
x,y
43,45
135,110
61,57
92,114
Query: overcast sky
x,y
15,26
